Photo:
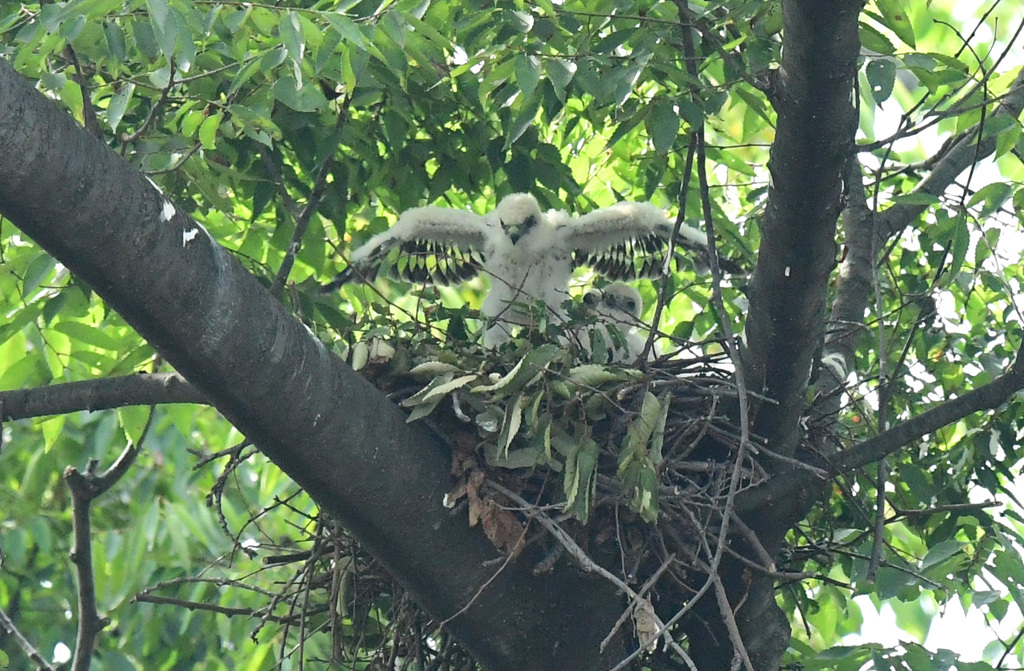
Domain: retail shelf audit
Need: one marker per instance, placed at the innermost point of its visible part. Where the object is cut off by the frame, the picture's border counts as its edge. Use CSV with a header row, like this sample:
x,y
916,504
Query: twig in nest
x,y
590,566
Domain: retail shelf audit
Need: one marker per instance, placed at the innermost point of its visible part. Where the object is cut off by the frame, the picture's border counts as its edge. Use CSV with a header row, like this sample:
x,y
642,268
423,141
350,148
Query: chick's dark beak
x,y
517,231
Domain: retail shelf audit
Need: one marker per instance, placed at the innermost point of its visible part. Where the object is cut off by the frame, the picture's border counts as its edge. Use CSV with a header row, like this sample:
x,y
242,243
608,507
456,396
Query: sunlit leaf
x,y
895,18
292,36
991,198
89,334
118,104
559,72
872,39
208,130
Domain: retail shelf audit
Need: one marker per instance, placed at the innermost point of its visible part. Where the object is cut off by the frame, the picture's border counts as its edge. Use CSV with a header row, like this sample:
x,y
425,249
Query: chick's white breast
x,y
550,263
537,267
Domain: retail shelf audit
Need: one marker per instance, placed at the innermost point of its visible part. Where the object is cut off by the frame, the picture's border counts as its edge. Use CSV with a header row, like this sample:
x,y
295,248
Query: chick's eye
x,y
590,298
631,305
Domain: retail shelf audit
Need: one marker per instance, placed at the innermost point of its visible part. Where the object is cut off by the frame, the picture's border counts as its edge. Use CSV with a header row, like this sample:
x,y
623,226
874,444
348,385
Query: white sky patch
x,y
168,211
967,633
188,236
61,653
971,633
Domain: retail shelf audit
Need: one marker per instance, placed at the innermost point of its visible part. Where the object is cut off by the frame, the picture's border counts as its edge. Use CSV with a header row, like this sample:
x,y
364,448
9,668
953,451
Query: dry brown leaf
x,y
503,528
476,504
456,493
646,623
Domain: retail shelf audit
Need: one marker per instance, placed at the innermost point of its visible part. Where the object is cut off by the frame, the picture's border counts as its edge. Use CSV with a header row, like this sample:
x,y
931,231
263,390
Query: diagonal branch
x,y
866,232
7,626
964,152
986,397
312,203
329,429
856,278
784,496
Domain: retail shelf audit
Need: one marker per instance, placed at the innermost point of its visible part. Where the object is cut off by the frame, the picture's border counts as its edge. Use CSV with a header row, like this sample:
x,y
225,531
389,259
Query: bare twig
x,y
884,398
88,111
729,617
7,626
741,452
86,487
302,222
755,542
962,152
639,595
589,565
164,93
312,202
1008,647
200,605
666,275
899,513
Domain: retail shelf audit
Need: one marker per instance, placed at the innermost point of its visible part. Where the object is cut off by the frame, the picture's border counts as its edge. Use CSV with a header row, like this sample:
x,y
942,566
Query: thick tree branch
x,y
986,397
856,278
784,496
813,94
99,394
324,425
866,232
863,236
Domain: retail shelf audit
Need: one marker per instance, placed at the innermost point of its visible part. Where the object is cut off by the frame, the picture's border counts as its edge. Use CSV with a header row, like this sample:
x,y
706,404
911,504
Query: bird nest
x,y
622,467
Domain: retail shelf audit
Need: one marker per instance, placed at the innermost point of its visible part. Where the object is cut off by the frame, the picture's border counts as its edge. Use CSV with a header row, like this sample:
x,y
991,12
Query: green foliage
x,y
541,413
235,109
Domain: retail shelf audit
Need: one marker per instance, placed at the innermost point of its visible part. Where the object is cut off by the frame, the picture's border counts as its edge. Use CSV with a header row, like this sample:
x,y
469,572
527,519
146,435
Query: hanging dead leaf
x,y
646,623
476,504
503,528
476,511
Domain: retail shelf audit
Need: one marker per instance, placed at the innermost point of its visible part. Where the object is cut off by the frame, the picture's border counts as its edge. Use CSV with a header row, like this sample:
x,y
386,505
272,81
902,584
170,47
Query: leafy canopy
x,y
237,111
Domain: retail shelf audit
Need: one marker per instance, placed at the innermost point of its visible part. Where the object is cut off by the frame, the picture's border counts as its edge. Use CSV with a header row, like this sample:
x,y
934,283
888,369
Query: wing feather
x,y
435,244
626,241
